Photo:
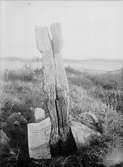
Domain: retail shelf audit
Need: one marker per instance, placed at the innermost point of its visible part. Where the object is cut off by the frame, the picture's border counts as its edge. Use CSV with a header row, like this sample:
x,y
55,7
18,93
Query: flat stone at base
x,y
38,139
82,134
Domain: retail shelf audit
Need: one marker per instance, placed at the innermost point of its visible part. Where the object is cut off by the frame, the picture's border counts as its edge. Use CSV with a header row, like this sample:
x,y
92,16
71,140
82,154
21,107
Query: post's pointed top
x,y
56,37
42,38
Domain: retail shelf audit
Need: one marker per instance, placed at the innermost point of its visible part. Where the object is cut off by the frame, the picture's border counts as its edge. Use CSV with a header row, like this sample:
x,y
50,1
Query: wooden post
x,y
62,97
56,89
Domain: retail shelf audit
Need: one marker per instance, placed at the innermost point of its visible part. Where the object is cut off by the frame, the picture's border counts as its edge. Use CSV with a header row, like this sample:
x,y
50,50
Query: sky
x,y
91,29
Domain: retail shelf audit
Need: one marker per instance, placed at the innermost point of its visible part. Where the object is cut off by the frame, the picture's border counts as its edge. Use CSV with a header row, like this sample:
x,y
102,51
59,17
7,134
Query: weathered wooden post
x,y
62,91
56,89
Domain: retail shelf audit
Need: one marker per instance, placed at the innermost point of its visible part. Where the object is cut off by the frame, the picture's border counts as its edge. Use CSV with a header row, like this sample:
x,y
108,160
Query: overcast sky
x,y
90,29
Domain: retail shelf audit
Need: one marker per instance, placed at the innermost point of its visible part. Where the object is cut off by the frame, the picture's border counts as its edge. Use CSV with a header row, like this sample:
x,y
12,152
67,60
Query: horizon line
x,y
39,58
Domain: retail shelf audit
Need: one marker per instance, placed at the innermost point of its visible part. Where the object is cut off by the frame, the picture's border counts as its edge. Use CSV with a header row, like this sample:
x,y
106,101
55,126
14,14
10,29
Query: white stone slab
x,y
38,139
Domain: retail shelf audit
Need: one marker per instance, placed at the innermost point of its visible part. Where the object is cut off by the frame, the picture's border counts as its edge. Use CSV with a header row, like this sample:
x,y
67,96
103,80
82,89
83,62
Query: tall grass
x,y
23,89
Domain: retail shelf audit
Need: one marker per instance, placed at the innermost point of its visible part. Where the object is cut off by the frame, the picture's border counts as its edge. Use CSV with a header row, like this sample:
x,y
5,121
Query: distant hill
x,y
19,59
94,66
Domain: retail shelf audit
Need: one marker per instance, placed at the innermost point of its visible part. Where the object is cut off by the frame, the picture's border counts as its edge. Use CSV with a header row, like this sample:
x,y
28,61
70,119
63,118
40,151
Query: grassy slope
x,y
25,88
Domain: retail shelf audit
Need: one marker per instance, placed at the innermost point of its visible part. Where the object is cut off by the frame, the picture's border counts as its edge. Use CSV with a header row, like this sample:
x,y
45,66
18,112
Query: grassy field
x,y
100,94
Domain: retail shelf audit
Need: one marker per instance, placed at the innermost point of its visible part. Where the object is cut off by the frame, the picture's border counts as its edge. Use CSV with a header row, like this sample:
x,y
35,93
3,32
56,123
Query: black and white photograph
x,y
61,83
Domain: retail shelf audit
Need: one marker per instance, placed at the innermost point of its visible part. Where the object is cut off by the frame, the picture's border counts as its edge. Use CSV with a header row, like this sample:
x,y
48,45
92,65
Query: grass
x,y
23,89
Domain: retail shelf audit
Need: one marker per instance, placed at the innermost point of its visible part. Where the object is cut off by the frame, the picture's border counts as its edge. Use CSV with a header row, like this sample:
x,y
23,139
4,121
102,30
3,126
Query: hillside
x,y
22,89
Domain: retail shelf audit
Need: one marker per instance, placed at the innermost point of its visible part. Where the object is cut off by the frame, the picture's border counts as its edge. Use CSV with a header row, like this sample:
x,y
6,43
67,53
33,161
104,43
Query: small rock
x,y
39,114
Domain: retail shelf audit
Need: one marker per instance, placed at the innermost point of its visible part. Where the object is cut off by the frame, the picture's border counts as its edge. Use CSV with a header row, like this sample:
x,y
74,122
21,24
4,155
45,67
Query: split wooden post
x,y
56,89
62,90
